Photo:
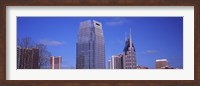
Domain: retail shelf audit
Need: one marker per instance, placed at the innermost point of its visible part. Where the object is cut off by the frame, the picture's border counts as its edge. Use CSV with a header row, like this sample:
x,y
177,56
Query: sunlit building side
x,y
116,62
56,62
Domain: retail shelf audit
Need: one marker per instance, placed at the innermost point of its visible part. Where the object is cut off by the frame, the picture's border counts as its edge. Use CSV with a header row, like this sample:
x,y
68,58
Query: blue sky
x,y
153,37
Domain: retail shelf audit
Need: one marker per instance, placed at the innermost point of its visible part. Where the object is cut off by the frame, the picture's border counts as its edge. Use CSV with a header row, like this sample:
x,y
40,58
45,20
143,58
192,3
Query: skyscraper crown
x,y
129,44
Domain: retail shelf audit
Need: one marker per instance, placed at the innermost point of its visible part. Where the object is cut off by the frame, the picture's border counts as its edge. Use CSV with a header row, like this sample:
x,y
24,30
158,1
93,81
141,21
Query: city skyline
x,y
155,38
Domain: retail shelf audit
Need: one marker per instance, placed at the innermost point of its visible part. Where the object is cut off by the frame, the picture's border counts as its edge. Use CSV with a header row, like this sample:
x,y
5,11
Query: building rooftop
x,y
158,60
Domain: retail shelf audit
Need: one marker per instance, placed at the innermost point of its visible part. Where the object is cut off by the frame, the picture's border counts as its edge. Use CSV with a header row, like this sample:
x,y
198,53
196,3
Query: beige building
x,y
126,60
115,62
56,62
129,57
161,63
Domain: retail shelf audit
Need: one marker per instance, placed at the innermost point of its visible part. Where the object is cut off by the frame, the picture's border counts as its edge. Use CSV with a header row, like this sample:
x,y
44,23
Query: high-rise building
x,y
90,46
161,63
127,60
129,57
27,58
56,62
116,62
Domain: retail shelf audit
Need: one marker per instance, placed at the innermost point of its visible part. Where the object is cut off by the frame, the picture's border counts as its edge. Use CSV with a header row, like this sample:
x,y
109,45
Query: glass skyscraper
x,y
90,47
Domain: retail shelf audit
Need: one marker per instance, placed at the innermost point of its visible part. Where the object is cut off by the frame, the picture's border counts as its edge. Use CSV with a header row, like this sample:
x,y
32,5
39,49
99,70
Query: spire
x,y
130,38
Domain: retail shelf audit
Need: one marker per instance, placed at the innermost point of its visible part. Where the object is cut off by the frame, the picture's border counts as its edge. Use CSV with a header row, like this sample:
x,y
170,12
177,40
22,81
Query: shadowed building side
x,y
28,58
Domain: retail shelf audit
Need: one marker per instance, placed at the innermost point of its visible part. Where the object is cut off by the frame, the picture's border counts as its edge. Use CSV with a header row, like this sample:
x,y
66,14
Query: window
x,y
97,24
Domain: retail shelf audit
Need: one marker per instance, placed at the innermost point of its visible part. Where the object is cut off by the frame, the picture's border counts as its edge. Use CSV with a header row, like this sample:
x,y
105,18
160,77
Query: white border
x,y
181,74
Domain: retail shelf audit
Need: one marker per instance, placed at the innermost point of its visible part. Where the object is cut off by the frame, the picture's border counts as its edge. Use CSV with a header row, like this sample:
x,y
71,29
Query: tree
x,y
26,42
44,54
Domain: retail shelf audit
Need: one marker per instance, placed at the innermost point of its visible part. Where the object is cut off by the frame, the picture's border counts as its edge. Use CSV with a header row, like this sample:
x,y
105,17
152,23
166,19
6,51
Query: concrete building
x,y
116,62
90,46
161,64
129,57
56,62
28,58
127,60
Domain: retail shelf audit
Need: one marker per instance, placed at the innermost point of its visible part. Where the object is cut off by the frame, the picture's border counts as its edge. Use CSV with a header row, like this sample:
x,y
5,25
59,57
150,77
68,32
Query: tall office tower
x,y
56,62
161,63
116,62
90,47
28,58
129,58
